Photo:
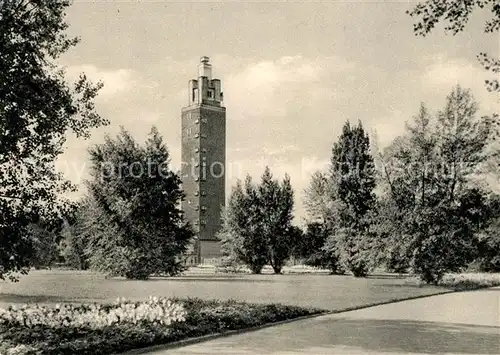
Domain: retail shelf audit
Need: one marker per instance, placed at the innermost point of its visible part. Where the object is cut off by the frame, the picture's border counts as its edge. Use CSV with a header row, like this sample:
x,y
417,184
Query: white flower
x,y
157,310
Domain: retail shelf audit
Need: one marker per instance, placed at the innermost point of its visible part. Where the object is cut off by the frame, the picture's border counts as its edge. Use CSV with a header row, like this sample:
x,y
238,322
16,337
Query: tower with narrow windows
x,y
203,161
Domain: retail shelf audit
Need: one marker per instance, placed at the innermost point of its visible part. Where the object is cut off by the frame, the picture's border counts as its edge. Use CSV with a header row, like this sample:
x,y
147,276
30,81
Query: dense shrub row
x,y
125,325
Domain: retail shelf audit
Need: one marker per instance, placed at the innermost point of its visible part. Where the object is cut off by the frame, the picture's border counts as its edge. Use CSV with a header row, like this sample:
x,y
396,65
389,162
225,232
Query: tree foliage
x,y
339,202
257,223
318,247
76,234
242,240
318,197
138,229
429,175
488,239
433,215
353,173
44,241
456,14
353,169
393,250
37,110
276,204
310,243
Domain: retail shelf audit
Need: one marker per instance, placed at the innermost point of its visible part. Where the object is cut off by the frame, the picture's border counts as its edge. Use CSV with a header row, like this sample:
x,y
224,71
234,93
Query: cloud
x,y
444,73
386,128
115,81
399,95
291,148
274,88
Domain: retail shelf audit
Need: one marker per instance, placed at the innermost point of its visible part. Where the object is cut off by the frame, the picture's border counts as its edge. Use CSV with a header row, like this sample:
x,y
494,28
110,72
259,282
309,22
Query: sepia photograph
x,y
287,177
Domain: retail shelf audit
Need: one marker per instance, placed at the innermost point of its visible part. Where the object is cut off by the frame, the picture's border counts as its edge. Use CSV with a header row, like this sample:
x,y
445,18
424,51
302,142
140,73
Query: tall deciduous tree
x,y
406,170
142,231
431,184
37,110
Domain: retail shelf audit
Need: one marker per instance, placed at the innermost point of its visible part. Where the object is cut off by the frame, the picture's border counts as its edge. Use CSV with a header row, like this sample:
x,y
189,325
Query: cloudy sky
x,y
292,74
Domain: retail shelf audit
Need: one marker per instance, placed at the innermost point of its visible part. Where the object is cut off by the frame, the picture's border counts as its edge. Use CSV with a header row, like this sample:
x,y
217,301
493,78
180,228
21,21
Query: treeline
x,y
418,206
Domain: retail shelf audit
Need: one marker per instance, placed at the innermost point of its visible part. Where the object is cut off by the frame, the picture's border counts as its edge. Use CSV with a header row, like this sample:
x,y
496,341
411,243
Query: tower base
x,y
205,252
210,249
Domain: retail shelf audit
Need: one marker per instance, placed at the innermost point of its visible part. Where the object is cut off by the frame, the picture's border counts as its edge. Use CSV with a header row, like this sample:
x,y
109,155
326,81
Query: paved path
x,y
457,323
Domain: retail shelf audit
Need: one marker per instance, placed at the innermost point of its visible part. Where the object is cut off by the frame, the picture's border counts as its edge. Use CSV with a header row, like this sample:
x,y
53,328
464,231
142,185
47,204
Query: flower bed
x,y
125,325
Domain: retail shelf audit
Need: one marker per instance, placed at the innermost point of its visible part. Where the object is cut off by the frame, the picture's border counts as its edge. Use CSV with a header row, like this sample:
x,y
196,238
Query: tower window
x,y
209,94
203,193
203,208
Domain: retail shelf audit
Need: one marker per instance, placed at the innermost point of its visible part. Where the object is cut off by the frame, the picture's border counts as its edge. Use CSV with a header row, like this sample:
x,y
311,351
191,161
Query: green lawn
x,y
320,291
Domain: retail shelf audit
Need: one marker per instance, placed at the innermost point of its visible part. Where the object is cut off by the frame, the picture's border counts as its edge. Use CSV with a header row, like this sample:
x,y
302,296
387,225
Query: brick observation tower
x,y
203,161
